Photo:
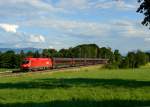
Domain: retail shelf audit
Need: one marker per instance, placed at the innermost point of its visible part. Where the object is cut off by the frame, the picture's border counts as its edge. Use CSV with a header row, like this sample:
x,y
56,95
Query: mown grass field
x,y
82,87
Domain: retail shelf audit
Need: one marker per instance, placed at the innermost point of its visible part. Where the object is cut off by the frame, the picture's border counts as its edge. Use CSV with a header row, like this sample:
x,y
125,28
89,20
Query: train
x,y
30,64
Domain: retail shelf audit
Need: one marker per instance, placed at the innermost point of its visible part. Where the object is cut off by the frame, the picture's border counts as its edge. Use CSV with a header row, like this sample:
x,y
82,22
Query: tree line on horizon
x,y
10,59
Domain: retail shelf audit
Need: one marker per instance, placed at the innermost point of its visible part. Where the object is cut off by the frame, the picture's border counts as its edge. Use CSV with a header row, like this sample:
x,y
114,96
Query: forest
x,y
135,59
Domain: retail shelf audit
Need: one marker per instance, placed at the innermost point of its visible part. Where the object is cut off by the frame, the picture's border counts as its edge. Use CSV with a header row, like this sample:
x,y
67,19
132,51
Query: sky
x,y
68,23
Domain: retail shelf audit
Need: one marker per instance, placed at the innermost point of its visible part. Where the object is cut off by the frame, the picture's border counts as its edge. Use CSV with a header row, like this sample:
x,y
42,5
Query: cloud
x,y
131,29
76,4
27,9
124,28
147,39
81,21
72,27
36,38
9,27
95,4
23,4
121,5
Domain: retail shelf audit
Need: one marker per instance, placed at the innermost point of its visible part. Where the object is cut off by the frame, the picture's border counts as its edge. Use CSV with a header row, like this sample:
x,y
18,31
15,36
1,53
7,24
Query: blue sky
x,y
67,23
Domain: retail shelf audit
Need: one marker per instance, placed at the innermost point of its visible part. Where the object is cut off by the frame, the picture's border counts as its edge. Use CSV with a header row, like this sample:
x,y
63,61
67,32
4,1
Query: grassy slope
x,y
86,87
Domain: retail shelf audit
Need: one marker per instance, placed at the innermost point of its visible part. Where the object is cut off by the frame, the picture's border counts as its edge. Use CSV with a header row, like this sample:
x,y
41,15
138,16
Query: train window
x,y
25,62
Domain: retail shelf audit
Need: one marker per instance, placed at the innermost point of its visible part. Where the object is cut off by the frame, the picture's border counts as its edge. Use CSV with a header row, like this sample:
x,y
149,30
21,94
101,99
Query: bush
x,y
112,66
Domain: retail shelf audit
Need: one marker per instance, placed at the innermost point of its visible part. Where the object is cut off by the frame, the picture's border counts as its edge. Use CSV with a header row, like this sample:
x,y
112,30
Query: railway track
x,y
18,73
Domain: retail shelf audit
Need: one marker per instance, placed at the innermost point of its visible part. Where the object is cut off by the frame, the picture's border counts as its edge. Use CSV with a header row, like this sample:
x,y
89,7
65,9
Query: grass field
x,y
82,87
5,70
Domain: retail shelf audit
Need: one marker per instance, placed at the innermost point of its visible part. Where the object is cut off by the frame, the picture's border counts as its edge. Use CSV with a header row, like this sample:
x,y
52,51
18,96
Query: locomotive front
x,y
25,65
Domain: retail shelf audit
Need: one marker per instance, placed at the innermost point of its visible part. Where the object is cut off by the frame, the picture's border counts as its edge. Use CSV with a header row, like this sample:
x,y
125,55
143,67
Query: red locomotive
x,y
36,63
49,63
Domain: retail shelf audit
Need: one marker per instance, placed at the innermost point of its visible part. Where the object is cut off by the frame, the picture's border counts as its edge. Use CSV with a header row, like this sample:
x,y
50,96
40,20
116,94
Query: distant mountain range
x,y
18,50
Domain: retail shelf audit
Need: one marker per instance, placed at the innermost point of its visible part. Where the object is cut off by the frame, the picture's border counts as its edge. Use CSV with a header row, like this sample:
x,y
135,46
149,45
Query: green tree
x,y
85,51
132,59
36,54
64,53
45,53
30,54
49,53
145,9
53,52
117,57
1,60
148,54
9,60
141,58
21,56
124,62
106,53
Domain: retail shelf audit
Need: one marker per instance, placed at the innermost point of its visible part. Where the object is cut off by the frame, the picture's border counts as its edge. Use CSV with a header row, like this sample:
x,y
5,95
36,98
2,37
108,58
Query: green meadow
x,y
5,70
81,87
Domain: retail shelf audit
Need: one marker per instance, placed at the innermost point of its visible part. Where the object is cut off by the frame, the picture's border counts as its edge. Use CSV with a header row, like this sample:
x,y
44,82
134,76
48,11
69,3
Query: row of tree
x,y
131,60
80,51
10,59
